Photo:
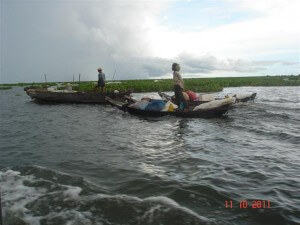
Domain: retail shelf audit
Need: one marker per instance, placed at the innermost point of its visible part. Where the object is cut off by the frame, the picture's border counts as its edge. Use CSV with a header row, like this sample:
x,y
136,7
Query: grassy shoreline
x,y
195,84
5,87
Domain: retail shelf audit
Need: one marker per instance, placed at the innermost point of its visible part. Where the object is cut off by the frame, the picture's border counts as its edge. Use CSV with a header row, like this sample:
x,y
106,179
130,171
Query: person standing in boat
x,y
178,86
101,79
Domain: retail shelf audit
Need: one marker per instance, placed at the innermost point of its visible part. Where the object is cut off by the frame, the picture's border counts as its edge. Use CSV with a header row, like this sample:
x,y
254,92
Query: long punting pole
x,y
1,223
114,75
79,81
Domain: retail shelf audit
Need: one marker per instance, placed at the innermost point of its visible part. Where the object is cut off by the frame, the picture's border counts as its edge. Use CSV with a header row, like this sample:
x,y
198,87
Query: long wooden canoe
x,y
43,95
189,113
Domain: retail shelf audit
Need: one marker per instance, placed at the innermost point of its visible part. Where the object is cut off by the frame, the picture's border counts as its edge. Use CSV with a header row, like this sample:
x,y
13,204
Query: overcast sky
x,y
141,39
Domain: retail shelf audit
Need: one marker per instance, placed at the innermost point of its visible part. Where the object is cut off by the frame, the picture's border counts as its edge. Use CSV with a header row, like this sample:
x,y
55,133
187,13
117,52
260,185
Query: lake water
x,y
93,164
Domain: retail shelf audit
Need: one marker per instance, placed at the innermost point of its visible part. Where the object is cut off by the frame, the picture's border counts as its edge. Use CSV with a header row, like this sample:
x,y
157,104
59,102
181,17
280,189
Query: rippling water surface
x,y
93,164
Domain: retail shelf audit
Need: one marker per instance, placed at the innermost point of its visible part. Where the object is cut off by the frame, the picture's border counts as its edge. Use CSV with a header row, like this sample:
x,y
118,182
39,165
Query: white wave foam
x,y
72,217
72,192
157,203
173,204
15,195
32,200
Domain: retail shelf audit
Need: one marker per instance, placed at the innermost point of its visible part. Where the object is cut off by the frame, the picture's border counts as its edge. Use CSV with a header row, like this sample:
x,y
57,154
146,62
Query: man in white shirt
x,y
178,86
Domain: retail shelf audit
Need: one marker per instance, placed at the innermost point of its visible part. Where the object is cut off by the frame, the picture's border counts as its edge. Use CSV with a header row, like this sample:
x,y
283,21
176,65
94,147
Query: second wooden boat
x,y
64,96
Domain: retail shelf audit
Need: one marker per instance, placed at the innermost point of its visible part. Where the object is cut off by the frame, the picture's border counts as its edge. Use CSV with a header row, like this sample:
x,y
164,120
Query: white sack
x,y
241,96
215,104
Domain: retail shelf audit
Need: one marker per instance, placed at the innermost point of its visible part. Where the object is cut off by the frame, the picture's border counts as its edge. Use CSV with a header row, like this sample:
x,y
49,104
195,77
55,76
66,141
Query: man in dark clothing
x,y
101,79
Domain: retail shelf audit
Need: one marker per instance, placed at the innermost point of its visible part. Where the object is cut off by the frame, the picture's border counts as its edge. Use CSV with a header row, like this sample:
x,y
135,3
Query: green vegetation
x,y
149,86
33,84
195,84
5,87
258,81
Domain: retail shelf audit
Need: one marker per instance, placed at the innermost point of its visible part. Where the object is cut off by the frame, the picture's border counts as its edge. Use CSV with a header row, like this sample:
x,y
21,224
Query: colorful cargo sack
x,y
169,106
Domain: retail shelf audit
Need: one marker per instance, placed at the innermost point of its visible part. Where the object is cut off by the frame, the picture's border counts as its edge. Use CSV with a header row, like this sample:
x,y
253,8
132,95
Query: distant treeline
x,y
195,84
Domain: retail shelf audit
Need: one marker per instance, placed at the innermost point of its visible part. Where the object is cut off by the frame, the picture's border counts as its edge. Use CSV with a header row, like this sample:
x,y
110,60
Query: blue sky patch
x,y
203,14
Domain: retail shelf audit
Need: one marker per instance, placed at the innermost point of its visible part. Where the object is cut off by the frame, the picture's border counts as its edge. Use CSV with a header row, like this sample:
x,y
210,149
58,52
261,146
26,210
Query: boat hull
x,y
71,97
209,113
204,113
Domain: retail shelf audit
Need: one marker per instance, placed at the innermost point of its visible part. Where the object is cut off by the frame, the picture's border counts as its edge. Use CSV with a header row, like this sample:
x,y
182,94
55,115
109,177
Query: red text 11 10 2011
x,y
245,204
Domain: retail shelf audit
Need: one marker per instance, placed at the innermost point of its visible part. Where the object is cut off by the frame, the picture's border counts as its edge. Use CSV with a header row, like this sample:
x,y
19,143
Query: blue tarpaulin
x,y
155,105
140,104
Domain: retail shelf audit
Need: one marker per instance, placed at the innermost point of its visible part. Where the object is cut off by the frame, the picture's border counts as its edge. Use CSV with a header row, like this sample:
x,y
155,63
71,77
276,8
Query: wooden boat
x,y
64,96
188,113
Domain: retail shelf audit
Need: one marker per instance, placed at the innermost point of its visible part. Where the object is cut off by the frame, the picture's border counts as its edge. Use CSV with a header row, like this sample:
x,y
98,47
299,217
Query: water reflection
x,y
243,155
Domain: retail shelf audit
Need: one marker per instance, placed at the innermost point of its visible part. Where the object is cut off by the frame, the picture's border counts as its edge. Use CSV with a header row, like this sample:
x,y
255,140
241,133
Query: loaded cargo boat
x,y
70,96
204,106
196,109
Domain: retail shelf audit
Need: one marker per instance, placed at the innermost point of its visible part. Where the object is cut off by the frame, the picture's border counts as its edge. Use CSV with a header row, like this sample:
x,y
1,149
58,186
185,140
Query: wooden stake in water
x,y
114,75
73,82
79,81
0,210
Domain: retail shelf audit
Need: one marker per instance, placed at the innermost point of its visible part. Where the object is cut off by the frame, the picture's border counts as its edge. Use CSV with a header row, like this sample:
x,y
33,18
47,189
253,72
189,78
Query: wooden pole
x,y
1,223
114,75
45,78
79,81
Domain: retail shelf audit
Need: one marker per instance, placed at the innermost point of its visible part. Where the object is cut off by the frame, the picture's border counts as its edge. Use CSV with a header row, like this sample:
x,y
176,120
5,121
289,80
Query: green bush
x,y
194,84
5,87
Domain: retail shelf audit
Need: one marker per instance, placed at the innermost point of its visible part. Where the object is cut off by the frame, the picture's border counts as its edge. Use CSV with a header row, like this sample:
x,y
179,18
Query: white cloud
x,y
64,37
276,30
